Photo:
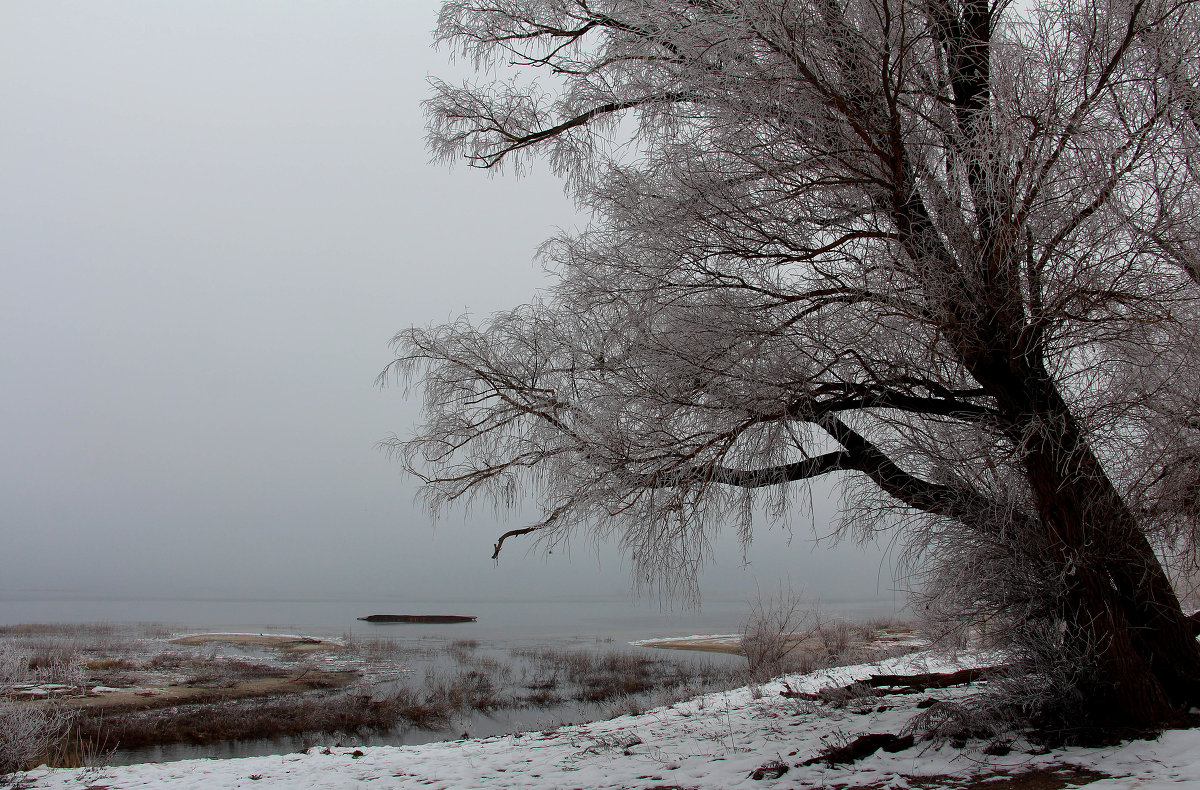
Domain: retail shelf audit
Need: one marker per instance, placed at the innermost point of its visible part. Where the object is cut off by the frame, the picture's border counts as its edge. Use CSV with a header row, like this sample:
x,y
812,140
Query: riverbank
x,y
753,736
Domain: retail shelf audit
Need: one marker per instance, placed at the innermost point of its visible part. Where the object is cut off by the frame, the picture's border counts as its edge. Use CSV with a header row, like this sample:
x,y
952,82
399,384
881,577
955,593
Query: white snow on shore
x,y
714,741
730,640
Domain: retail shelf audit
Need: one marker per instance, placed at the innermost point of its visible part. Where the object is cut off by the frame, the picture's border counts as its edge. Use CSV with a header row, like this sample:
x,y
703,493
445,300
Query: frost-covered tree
x,y
941,249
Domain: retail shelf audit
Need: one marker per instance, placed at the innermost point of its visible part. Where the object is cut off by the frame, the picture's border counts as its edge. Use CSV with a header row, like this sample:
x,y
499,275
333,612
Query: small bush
x,y
785,634
418,710
29,734
774,630
228,672
14,665
469,689
542,698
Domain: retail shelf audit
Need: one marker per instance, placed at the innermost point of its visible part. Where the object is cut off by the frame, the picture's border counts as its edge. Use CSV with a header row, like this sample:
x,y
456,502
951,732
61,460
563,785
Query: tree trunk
x,y
1121,606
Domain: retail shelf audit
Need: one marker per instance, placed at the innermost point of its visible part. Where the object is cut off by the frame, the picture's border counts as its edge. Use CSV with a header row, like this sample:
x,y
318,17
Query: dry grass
x,y
223,720
467,689
385,649
229,672
111,664
786,634
40,660
604,677
59,629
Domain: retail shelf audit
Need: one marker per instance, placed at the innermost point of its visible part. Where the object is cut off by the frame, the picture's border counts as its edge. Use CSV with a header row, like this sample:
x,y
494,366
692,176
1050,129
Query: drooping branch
x,y
513,141
513,533
545,523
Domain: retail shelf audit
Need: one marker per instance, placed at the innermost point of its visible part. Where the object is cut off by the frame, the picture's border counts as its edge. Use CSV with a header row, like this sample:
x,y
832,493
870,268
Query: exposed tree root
x,y
860,747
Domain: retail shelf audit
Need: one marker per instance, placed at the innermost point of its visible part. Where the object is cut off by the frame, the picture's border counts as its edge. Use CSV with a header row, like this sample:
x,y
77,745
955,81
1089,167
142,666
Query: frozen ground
x,y
714,741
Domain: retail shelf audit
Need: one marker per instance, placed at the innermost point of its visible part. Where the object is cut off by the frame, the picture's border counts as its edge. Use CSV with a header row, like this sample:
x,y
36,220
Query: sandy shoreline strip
x,y
711,643
881,639
289,642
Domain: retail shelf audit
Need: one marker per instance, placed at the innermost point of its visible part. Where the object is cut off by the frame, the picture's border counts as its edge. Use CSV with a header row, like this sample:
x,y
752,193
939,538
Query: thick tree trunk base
x,y
1056,734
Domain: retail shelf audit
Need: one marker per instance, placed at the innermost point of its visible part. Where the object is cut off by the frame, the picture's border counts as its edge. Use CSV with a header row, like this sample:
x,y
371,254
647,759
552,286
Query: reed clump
x,y
602,677
227,720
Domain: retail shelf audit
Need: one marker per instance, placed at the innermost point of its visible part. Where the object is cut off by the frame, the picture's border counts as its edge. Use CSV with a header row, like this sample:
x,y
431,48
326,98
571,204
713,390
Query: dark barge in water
x,y
417,618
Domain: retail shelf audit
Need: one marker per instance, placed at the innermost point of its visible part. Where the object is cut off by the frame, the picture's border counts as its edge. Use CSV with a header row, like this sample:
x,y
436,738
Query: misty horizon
x,y
214,218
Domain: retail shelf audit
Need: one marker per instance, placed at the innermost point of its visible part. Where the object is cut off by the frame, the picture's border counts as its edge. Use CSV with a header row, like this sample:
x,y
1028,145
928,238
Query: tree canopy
x,y
943,248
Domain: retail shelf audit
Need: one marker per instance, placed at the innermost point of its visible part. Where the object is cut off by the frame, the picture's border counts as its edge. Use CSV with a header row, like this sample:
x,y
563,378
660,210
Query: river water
x,y
502,629
556,622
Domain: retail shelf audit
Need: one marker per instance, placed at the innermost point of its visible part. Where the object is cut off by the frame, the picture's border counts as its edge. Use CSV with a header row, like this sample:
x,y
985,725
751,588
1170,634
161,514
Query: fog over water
x,y
213,217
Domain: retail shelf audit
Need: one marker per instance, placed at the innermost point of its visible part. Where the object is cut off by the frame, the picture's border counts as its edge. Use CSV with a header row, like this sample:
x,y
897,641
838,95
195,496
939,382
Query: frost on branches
x,y
947,251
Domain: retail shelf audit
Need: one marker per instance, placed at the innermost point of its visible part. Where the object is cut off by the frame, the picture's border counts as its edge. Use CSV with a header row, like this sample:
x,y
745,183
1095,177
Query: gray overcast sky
x,y
213,217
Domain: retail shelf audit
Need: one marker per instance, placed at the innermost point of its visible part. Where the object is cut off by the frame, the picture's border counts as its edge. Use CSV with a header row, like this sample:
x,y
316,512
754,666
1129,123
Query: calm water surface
x,y
500,622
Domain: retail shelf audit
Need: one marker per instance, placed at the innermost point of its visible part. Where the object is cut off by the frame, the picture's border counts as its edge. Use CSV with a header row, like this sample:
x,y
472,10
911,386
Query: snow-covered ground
x,y
714,741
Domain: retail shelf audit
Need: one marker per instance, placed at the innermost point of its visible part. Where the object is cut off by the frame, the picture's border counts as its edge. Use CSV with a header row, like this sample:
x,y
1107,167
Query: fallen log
x,y
907,684
418,618
936,680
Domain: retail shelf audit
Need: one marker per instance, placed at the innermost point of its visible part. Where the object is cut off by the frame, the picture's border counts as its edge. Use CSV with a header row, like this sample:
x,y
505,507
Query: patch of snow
x,y
725,638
